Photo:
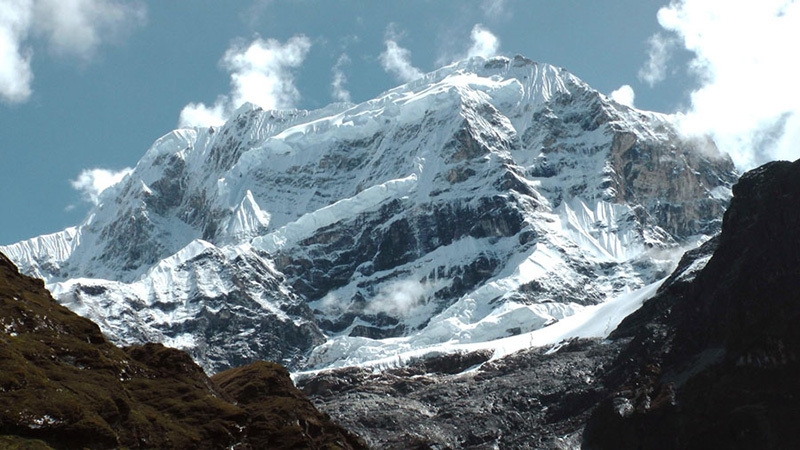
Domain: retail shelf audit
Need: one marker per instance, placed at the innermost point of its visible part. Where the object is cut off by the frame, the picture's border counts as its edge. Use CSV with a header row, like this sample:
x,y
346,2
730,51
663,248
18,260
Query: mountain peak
x,y
443,209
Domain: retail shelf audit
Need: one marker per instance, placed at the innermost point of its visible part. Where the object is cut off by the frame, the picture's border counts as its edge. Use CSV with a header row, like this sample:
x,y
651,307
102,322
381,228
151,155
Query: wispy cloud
x,y
494,8
484,42
748,98
78,27
252,15
339,92
624,95
398,298
92,182
396,60
69,28
655,69
261,73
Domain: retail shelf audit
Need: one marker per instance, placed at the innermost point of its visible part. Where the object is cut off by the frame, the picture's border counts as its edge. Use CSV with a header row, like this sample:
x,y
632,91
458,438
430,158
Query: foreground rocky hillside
x,y
484,200
711,361
64,386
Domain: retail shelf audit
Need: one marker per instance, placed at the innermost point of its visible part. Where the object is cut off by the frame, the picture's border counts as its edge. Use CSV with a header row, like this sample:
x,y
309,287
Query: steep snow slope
x,y
596,321
486,199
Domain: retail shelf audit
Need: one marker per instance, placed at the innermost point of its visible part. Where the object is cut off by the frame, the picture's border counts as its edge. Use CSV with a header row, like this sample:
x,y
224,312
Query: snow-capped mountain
x,y
487,199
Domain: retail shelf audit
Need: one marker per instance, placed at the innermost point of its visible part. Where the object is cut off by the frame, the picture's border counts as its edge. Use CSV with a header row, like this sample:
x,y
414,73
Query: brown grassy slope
x,y
63,385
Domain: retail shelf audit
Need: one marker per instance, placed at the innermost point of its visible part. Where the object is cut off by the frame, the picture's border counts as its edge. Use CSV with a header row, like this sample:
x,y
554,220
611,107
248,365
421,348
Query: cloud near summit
x,y
484,42
261,73
396,60
92,182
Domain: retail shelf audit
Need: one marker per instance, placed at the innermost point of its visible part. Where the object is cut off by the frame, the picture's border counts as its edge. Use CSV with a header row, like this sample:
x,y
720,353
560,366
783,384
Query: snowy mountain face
x,y
487,199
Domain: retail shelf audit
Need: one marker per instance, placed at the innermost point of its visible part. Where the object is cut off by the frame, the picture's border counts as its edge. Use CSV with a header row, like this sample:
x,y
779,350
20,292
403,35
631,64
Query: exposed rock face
x,y
711,361
538,398
63,386
232,309
717,366
529,400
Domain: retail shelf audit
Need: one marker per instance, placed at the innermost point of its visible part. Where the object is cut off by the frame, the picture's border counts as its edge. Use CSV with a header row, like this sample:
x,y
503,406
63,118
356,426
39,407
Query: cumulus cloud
x,y
15,59
92,182
624,95
261,73
655,69
748,99
396,60
484,43
71,28
339,92
200,115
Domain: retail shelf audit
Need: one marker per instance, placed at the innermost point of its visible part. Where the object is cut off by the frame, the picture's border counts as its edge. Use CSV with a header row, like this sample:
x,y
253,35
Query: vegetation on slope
x,y
63,385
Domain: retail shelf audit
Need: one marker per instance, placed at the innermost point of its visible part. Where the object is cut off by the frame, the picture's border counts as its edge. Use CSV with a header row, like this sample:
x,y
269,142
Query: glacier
x,y
596,321
486,202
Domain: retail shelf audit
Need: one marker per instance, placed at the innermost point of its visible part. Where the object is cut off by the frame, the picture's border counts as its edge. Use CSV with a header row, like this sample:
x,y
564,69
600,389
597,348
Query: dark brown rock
x,y
63,386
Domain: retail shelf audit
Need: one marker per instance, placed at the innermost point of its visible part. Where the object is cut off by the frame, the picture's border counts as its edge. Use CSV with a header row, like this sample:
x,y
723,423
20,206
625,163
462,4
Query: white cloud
x,y
624,95
261,73
339,79
92,182
484,43
200,115
73,28
398,298
655,69
397,61
749,97
15,60
78,27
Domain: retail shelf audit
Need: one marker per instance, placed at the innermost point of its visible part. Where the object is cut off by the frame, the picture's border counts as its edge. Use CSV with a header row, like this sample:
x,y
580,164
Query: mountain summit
x,y
487,199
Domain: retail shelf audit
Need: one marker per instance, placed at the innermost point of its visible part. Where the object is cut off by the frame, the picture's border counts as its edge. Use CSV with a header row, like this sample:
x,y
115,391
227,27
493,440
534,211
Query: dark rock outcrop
x,y
714,363
63,385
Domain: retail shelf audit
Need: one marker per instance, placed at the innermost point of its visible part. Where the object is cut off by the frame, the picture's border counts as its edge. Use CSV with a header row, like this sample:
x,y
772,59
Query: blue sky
x,y
90,84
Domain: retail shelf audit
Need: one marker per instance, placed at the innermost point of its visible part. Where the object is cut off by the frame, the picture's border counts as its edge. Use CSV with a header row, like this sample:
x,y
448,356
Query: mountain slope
x,y
717,364
63,385
486,199
710,361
